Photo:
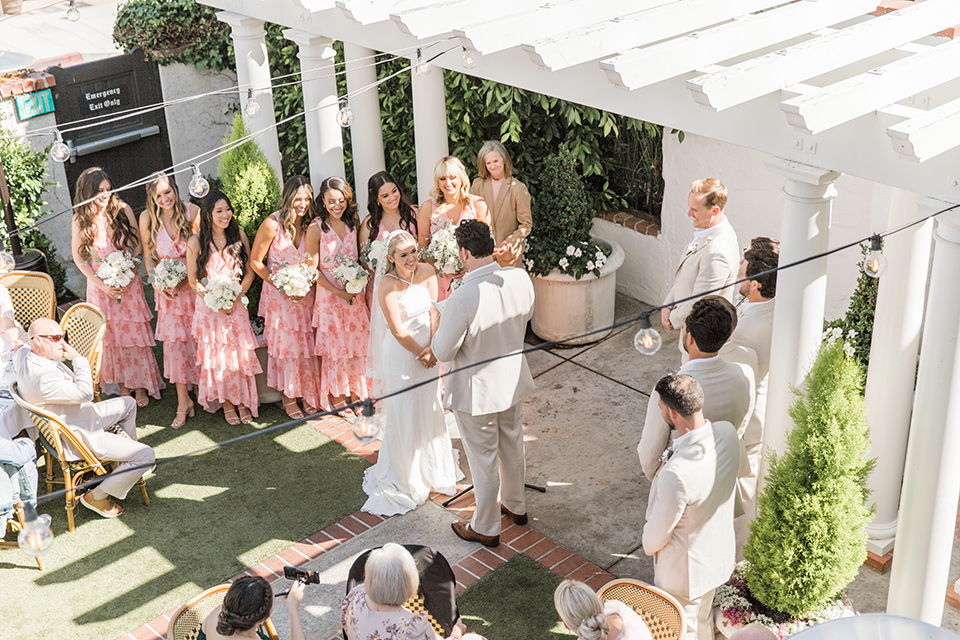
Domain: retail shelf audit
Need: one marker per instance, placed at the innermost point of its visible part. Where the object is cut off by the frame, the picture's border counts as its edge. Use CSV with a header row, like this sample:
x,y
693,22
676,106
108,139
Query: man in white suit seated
x,y
45,381
711,258
728,386
689,527
484,318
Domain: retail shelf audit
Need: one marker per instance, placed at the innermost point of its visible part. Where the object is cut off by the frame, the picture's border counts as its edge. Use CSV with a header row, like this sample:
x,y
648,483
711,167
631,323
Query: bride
x,y
416,455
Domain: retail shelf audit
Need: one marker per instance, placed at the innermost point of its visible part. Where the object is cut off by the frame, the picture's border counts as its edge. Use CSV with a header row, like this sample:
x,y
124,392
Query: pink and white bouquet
x,y
350,274
117,270
443,251
168,273
220,291
294,280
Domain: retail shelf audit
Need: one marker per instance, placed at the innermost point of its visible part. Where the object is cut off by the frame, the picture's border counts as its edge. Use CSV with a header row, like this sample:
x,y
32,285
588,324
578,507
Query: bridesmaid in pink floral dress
x,y
341,318
165,226
292,366
389,210
450,201
100,227
226,346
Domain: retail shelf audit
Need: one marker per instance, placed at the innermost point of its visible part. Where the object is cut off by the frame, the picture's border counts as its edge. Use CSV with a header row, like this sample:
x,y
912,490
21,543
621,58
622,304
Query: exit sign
x,y
31,105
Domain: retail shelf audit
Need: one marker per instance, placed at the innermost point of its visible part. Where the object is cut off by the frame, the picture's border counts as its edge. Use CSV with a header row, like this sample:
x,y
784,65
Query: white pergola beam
x,y
843,101
443,17
542,20
600,39
372,11
760,76
927,135
649,65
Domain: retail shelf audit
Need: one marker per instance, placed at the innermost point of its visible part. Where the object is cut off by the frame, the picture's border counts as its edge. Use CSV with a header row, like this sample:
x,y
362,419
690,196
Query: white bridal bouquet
x,y
220,291
117,270
350,274
294,280
168,273
442,251
373,251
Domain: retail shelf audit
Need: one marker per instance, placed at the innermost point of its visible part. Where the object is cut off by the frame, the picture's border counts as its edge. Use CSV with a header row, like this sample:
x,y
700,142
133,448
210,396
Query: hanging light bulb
x,y
875,264
345,115
469,58
73,14
199,187
59,151
647,341
423,67
365,428
7,262
253,107
37,536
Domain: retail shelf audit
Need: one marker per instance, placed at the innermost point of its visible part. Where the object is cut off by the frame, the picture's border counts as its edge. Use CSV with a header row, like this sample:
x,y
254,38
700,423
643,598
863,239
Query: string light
x,y
36,536
7,262
345,115
365,428
647,341
73,14
875,264
469,58
199,187
253,107
423,67
59,151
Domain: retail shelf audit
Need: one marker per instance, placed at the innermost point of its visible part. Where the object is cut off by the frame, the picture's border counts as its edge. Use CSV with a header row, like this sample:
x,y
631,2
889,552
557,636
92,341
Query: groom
x,y
484,318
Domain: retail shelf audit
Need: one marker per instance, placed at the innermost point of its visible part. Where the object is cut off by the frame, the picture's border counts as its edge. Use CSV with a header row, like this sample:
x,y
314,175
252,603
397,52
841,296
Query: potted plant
x,y
809,538
574,275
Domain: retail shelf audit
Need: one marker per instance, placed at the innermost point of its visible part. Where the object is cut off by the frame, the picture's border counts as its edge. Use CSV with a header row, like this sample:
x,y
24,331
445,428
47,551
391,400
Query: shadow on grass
x,y
515,602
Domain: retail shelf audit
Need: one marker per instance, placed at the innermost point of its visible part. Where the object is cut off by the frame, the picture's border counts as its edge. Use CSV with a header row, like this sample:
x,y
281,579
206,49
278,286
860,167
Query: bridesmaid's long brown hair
x,y
180,219
124,236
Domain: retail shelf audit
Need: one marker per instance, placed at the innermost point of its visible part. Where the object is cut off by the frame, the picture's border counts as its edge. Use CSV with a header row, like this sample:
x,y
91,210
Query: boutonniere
x,y
692,249
666,455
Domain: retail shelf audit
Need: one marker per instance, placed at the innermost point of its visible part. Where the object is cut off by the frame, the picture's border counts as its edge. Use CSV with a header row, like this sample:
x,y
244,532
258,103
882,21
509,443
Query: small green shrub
x,y
172,31
808,540
26,172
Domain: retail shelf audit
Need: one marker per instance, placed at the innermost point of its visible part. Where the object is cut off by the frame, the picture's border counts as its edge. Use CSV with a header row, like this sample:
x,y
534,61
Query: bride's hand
x,y
427,358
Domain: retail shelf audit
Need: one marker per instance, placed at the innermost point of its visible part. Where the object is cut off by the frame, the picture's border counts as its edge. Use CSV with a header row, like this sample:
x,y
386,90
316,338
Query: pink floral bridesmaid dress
x,y
226,348
437,221
128,343
175,320
343,330
292,366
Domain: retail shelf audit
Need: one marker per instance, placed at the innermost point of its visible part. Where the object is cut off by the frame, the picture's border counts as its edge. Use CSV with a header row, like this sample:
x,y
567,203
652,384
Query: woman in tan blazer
x,y
507,200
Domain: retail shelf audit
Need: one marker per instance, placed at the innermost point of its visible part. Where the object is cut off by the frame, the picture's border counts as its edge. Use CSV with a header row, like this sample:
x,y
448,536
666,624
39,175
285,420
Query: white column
x,y
931,479
366,134
320,103
895,345
253,71
801,290
429,127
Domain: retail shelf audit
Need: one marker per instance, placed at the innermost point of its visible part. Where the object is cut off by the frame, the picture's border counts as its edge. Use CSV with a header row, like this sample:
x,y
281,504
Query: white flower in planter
x,y
577,253
564,263
570,250
590,266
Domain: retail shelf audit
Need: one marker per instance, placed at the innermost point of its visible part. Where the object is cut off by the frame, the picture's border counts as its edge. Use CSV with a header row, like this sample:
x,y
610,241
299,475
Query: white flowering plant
x,y
373,251
168,273
294,280
350,274
442,251
579,259
117,270
221,290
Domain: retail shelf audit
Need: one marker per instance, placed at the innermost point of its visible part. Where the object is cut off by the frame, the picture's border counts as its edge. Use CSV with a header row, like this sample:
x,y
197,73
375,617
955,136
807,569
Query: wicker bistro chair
x,y
52,434
659,610
84,325
186,620
17,524
32,295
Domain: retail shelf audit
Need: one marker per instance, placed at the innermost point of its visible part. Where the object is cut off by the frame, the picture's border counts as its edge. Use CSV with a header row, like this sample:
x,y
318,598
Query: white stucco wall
x,y
755,208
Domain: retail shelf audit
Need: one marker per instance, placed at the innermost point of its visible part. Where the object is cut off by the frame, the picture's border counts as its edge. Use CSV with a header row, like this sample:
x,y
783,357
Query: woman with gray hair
x,y
375,608
508,202
583,613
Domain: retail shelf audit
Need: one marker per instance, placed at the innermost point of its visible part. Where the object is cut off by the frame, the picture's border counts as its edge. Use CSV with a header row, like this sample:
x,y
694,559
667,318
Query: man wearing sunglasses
x,y
45,381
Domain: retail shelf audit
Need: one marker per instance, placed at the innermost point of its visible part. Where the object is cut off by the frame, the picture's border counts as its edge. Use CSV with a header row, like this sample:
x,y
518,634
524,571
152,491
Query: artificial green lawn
x,y
515,602
211,516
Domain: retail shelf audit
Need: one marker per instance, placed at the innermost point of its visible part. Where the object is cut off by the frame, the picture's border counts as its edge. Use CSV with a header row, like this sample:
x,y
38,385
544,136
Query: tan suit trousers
x,y
699,616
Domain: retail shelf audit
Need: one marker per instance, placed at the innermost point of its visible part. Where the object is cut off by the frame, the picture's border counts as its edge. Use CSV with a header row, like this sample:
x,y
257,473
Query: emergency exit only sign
x,y
31,105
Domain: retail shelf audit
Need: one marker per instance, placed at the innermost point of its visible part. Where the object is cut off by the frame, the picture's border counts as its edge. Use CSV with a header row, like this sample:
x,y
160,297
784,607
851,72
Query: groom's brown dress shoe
x,y
520,518
463,530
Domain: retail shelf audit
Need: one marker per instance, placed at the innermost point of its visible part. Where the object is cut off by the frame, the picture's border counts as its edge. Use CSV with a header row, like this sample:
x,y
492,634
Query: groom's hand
x,y
427,358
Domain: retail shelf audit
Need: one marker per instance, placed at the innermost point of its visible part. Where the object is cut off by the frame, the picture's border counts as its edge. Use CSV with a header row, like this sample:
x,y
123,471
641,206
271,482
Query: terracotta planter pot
x,y
565,306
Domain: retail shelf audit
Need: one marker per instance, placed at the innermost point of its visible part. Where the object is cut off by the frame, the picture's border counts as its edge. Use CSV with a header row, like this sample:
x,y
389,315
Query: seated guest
x,y
584,614
11,331
375,608
247,605
51,385
18,475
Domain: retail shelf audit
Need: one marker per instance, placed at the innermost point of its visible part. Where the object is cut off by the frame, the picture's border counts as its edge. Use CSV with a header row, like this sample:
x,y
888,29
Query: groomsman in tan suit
x,y
689,527
728,386
508,202
710,259
755,330
486,317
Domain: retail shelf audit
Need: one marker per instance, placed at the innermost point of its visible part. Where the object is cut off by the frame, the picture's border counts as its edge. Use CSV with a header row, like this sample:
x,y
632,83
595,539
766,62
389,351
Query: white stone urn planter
x,y
565,306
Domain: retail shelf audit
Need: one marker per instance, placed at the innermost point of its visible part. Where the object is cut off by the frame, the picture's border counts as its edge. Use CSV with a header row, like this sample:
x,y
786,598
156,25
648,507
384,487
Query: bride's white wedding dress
x,y
416,455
